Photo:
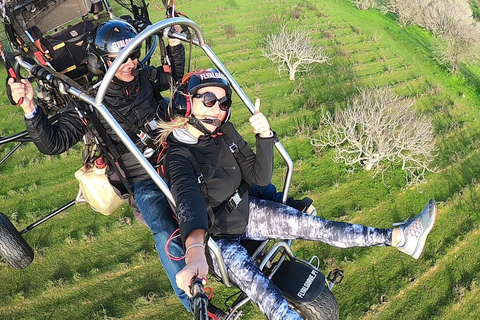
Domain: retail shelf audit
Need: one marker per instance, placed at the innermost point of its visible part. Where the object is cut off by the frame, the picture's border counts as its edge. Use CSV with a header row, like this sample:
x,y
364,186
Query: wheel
x,y
13,248
324,307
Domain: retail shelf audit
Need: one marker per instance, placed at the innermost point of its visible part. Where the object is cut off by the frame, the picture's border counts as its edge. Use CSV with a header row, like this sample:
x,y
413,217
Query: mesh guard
x,y
47,15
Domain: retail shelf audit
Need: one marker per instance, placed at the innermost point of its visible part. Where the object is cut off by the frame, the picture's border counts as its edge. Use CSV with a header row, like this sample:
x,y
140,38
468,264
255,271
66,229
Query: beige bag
x,y
97,190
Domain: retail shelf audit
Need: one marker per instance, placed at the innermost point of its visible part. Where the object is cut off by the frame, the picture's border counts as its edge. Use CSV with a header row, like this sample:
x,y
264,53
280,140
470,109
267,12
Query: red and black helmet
x,y
191,83
194,81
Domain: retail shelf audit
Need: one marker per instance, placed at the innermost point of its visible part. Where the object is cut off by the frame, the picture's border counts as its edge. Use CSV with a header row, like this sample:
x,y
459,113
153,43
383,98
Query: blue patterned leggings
x,y
272,220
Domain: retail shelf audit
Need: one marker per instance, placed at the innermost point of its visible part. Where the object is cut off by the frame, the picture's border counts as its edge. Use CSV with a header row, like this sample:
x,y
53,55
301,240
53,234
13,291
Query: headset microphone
x,y
215,122
135,72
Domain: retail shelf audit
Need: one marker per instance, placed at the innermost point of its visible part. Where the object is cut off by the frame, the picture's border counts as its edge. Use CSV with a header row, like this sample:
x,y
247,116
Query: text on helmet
x,y
212,75
120,44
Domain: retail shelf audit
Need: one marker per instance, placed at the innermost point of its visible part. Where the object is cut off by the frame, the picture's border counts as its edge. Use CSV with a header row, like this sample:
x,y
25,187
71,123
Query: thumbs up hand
x,y
259,122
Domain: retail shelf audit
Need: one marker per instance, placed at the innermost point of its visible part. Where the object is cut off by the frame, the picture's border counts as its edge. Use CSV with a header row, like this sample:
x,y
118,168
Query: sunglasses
x,y
209,99
134,55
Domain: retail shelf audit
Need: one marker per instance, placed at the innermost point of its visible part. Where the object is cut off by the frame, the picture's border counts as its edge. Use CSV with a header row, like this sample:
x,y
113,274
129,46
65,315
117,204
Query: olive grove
x,y
378,127
451,21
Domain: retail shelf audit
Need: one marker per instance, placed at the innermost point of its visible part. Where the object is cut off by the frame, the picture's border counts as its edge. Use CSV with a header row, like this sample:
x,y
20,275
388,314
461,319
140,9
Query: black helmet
x,y
191,83
194,81
112,36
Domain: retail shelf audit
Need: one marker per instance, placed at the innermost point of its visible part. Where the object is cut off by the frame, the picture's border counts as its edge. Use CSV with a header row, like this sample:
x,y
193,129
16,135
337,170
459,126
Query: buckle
x,y
235,200
144,137
200,179
151,125
335,276
233,148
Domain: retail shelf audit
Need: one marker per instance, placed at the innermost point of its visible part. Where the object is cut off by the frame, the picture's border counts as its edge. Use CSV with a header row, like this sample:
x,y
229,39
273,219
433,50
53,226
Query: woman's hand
x,y
23,90
197,267
259,122
196,262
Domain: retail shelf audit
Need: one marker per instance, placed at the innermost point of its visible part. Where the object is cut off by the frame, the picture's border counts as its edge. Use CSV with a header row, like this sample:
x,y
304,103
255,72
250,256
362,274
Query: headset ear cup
x,y
181,104
95,65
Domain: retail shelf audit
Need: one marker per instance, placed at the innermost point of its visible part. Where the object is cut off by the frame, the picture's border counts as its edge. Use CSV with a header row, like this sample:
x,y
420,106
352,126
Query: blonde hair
x,y
166,127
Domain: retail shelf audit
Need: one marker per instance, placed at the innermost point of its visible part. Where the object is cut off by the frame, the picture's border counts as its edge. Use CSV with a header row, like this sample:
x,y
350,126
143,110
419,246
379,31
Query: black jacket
x,y
136,100
223,174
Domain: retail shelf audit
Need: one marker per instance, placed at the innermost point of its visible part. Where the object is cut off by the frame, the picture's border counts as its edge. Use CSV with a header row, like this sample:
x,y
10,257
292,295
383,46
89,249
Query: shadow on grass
x,y
414,35
471,78
329,85
109,295
461,151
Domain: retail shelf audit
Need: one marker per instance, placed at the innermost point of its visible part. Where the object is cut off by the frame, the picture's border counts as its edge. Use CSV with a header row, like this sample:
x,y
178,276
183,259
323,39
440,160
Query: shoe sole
x,y
419,249
311,210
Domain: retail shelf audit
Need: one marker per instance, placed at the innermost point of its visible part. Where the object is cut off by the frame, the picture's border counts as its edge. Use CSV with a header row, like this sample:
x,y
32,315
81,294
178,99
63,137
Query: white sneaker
x,y
415,231
311,210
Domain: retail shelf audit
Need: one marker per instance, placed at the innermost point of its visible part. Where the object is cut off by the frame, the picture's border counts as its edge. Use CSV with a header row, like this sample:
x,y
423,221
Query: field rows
x,y
90,266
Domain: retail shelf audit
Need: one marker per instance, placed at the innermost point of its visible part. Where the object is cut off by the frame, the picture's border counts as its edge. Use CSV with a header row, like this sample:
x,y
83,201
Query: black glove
x,y
137,24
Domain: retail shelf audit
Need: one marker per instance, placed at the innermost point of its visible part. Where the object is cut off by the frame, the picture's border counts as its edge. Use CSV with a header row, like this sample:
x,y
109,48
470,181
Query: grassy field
x,y
90,266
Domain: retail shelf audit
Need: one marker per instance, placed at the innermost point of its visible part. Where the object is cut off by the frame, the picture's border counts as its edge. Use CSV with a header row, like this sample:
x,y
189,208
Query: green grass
x,y
90,266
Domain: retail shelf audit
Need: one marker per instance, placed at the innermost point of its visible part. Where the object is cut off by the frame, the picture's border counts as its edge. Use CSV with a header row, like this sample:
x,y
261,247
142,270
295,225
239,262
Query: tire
x,y
324,307
13,248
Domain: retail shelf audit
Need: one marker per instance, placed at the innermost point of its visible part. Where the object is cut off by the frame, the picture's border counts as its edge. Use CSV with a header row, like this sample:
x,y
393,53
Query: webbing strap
x,y
111,148
232,203
111,151
144,137
239,156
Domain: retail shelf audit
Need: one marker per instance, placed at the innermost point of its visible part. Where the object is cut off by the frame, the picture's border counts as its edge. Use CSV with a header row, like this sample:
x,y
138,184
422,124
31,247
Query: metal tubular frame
x,y
97,103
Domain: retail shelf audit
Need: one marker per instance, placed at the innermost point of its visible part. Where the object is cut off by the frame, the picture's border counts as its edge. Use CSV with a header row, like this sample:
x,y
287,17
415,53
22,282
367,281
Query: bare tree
x,y
382,5
451,21
409,12
445,18
363,4
293,51
451,53
380,126
458,32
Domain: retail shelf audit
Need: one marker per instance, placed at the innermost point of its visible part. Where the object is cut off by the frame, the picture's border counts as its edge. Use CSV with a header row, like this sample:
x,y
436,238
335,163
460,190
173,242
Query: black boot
x,y
216,311
301,205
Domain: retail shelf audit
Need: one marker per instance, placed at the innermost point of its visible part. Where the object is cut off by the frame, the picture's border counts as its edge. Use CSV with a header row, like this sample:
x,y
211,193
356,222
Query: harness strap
x,y
144,137
41,42
110,150
229,204
239,156
232,203
167,68
113,164
203,188
153,75
200,179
